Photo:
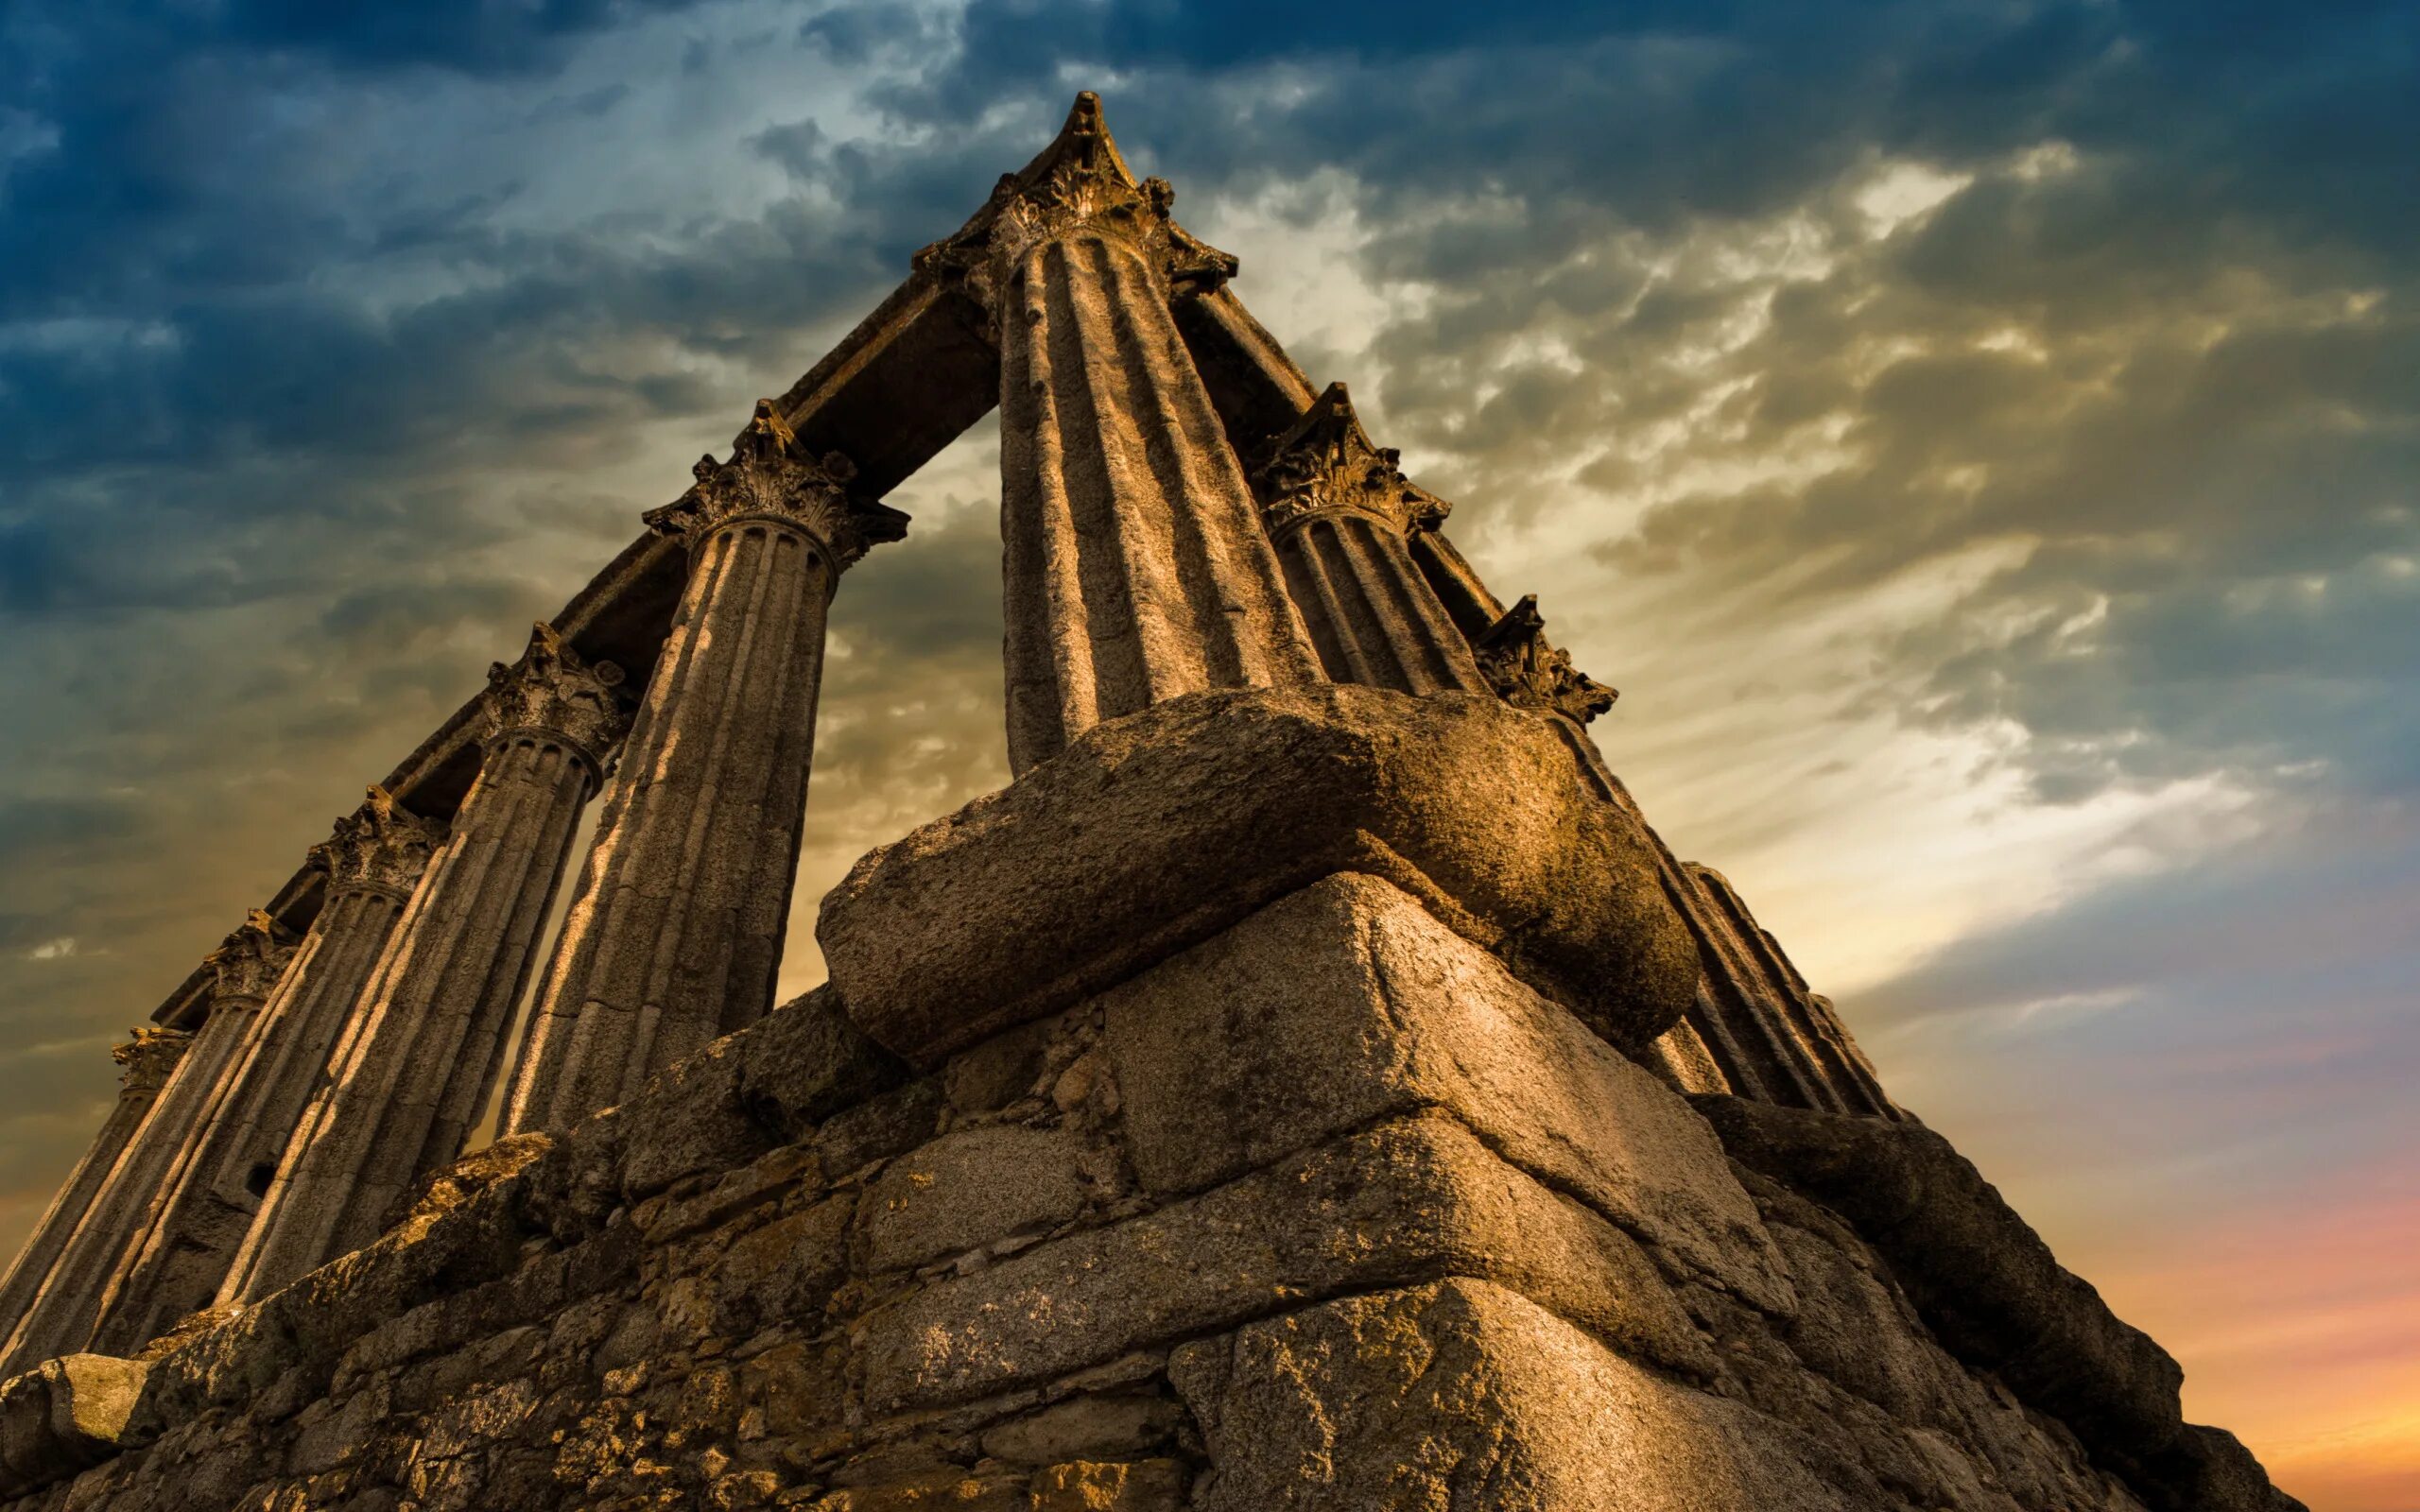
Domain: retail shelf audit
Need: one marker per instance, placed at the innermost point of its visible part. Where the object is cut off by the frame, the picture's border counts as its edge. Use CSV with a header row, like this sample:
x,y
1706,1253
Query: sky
x,y
1978,439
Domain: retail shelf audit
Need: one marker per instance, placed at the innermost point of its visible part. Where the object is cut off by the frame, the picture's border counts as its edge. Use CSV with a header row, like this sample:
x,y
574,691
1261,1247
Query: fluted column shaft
x,y
181,1257
148,1060
1134,567
674,937
1774,1038
61,1314
414,1063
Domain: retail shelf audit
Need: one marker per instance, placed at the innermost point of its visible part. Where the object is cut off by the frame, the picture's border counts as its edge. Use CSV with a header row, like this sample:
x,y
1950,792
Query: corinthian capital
x,y
1327,464
553,690
247,964
150,1057
770,478
1079,186
1530,672
378,848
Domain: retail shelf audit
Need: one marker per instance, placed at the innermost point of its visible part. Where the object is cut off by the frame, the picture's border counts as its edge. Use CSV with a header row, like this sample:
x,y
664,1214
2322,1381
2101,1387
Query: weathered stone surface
x,y
1991,1288
64,1308
806,1061
969,1188
1088,1427
62,1415
1411,1200
450,1186
1347,1001
1414,1235
1134,567
1771,1037
1156,831
1463,1397
148,1060
1341,513
1150,1486
373,859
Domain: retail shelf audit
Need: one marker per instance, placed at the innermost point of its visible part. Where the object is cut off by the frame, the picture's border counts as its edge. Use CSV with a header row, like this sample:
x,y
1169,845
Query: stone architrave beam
x,y
59,1320
149,1058
1135,569
372,860
675,934
416,1060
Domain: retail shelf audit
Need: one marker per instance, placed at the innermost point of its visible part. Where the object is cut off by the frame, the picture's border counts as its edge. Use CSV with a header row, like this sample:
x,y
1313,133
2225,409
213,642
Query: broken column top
x,y
770,477
556,690
1327,462
1077,186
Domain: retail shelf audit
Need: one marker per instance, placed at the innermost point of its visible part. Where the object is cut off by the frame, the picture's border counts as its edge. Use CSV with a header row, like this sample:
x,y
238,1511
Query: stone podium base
x,y
1316,1204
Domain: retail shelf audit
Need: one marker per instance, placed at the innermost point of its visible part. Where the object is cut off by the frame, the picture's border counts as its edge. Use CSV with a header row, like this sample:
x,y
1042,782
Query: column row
x,y
329,1074
64,1306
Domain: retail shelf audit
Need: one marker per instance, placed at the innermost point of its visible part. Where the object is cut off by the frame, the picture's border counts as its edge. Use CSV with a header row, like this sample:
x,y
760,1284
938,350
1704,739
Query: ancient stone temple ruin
x,y
1310,1084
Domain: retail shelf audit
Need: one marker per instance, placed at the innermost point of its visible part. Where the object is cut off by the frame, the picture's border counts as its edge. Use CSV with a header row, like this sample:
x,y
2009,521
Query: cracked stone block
x,y
1461,1396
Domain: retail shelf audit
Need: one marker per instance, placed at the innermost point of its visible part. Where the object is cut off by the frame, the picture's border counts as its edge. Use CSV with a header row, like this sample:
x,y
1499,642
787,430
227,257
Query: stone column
x,y
147,1059
1774,1038
373,861
60,1318
674,938
1135,569
417,1057
1342,515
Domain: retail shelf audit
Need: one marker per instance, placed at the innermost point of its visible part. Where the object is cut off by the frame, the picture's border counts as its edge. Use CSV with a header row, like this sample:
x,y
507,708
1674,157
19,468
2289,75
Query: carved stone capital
x,y
769,477
553,690
1080,186
378,848
1327,464
1529,672
246,966
150,1057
